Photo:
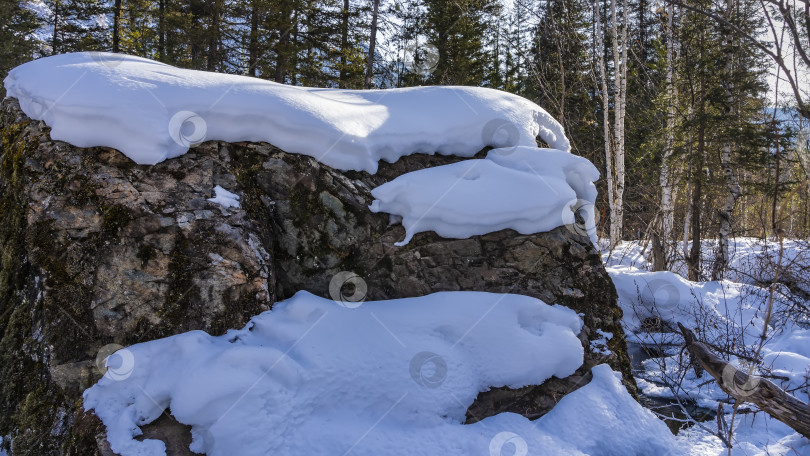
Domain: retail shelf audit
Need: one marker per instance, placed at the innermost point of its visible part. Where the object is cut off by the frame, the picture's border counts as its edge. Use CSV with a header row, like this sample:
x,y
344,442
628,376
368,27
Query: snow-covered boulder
x,y
100,252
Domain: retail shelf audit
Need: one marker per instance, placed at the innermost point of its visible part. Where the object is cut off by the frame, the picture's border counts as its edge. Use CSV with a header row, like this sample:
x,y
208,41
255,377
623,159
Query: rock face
x,y
97,250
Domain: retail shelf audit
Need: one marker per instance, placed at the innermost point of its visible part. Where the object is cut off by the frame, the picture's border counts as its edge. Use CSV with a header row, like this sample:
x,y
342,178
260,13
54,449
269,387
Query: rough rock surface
x,y
96,250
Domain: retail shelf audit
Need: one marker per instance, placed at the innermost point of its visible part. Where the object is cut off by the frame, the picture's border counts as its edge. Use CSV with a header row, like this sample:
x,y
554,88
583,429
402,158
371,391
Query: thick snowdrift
x,y
151,111
385,378
527,189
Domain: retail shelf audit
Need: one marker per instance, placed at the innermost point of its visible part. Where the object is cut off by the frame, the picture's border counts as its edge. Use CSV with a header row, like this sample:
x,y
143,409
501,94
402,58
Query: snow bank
x,y
389,377
527,189
151,111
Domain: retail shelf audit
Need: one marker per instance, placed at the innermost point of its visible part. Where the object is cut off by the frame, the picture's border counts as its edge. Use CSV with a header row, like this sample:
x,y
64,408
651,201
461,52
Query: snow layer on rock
x,y
318,377
151,111
527,189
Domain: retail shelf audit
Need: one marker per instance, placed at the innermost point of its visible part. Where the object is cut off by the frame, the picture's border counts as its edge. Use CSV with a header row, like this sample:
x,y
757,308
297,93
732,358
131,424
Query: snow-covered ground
x,y
728,314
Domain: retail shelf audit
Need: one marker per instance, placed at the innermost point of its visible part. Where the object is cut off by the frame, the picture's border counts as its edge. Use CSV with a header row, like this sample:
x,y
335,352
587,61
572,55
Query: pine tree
x,y
17,44
723,130
79,25
458,29
559,76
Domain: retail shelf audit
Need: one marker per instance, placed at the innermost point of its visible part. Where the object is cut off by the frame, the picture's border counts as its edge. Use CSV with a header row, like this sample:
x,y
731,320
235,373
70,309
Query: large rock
x,y
97,250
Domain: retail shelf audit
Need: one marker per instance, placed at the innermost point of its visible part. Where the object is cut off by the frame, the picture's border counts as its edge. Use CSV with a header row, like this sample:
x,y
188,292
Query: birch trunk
x,y
734,190
666,176
600,51
619,107
688,218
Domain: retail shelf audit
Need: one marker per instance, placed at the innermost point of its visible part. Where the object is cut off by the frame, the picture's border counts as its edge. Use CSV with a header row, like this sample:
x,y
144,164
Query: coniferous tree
x,y
79,25
17,43
559,76
458,30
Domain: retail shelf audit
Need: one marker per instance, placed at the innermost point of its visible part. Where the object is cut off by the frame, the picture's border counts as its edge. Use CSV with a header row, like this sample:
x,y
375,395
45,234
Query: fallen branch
x,y
750,388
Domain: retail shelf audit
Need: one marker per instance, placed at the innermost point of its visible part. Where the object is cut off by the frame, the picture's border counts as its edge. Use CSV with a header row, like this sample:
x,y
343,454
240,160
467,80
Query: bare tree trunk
x,y
283,51
54,41
693,260
295,39
214,37
162,30
116,38
253,44
688,218
344,43
372,44
734,192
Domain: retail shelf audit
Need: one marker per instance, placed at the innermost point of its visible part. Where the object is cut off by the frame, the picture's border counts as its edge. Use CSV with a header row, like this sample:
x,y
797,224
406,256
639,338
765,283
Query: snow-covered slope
x,y
312,377
151,111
